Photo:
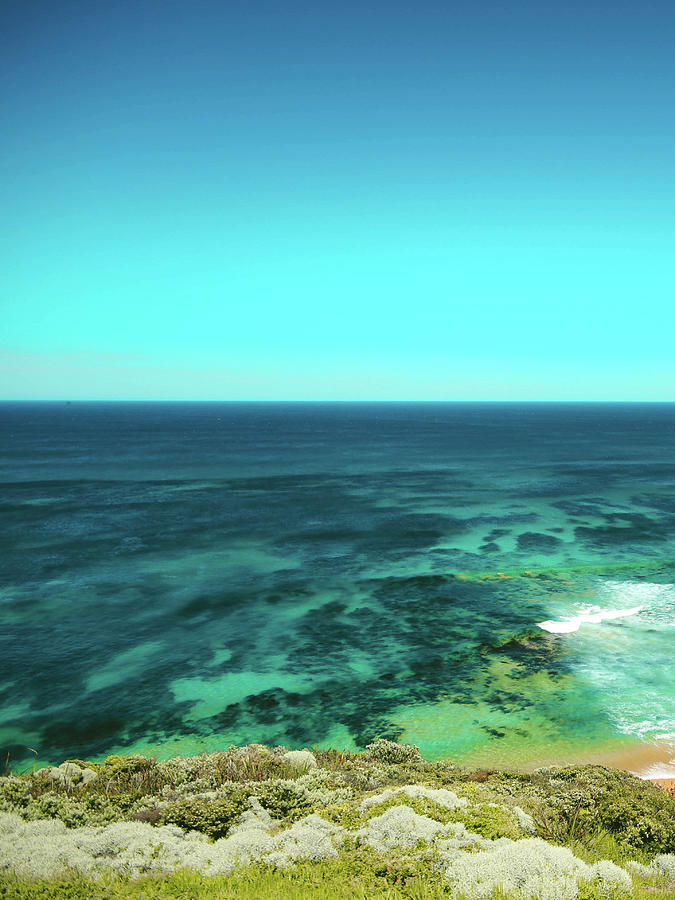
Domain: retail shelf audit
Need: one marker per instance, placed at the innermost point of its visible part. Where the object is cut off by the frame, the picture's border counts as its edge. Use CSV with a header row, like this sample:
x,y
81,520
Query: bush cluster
x,y
212,816
583,799
392,753
471,832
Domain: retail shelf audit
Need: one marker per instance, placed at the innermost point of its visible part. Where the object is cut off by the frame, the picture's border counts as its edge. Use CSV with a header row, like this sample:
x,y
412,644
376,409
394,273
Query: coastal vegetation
x,y
265,822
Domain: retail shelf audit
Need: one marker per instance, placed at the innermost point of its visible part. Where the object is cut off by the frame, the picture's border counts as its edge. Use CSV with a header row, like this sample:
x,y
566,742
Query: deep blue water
x,y
176,577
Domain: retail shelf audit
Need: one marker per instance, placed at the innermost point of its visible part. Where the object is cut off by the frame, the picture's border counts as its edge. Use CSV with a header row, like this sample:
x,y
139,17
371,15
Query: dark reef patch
x,y
628,529
490,547
535,540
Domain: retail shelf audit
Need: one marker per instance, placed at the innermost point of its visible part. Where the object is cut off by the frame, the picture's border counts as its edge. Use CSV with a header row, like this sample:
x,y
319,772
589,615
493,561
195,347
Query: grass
x,y
328,880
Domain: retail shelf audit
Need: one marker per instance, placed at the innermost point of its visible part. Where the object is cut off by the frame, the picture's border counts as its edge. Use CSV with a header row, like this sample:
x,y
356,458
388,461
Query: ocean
x,y
492,582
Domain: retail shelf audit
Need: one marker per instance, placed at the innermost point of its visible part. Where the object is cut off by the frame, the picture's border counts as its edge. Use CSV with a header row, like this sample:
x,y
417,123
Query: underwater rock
x,y
537,541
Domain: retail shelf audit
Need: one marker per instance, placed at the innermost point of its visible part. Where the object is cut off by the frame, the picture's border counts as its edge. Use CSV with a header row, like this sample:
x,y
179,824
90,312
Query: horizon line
x,y
67,402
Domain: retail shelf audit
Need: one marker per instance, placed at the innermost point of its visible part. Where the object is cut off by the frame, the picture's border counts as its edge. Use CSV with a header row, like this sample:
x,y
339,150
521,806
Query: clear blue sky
x,y
265,200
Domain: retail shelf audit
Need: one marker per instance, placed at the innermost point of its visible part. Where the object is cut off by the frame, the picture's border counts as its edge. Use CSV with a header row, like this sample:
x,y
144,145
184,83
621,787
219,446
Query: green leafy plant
x,y
390,752
211,816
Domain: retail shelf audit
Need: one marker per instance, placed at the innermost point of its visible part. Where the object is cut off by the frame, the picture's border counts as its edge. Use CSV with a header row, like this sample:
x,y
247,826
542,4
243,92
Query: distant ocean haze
x,y
493,582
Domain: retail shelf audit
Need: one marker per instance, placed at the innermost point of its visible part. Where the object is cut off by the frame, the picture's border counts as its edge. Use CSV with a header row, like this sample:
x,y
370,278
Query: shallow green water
x,y
179,578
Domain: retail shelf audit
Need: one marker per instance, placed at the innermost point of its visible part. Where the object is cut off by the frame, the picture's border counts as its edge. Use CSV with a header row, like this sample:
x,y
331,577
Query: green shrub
x,y
346,815
647,822
390,752
490,822
587,799
129,774
15,793
283,799
363,775
127,765
213,816
73,811
94,766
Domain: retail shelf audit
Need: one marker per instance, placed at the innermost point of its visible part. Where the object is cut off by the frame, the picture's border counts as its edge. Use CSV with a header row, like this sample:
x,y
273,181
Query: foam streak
x,y
573,623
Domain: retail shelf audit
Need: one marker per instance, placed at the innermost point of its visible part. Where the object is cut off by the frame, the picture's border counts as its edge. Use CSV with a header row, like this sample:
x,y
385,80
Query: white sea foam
x,y
656,603
640,590
657,600
629,665
658,770
626,716
593,616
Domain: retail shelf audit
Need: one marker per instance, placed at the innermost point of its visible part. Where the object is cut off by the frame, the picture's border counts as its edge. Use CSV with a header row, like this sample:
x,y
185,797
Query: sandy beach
x,y
653,761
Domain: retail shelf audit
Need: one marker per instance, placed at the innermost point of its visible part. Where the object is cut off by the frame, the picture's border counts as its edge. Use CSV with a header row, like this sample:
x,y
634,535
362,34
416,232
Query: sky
x,y
337,200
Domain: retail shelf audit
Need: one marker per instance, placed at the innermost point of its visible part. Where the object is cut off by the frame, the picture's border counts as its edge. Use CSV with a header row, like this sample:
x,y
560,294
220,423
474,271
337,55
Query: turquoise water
x,y
179,577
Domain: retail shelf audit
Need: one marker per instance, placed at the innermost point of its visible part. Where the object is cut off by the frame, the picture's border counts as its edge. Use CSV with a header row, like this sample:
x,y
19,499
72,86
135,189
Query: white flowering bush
x,y
530,868
312,838
608,877
440,796
191,773
300,759
70,775
640,869
399,827
391,752
491,820
319,791
46,848
524,819
463,839
39,849
664,864
256,816
402,827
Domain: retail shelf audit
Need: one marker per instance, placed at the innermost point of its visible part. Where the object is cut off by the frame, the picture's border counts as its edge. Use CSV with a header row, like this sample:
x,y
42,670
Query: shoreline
x,y
651,761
